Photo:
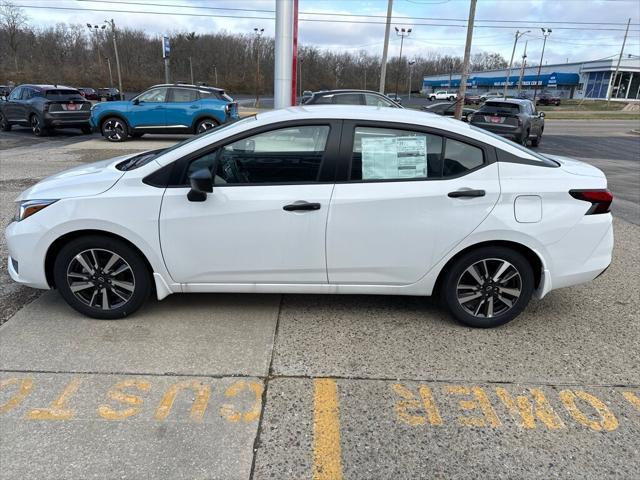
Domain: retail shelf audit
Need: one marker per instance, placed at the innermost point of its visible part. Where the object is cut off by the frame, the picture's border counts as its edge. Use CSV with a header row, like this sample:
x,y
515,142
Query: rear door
x,y
149,109
409,196
13,110
181,107
265,221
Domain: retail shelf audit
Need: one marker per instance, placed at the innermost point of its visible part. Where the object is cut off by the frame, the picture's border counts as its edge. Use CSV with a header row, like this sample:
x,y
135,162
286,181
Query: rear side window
x,y
500,107
183,95
389,154
323,100
286,155
376,101
460,157
348,99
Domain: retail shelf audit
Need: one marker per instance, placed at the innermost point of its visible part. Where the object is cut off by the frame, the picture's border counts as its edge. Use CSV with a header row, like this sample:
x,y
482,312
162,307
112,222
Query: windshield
x,y
500,107
531,153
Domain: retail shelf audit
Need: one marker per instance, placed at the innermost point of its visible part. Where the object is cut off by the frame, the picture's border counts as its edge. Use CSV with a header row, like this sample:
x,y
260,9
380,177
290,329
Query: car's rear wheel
x,y
102,277
451,99
114,129
432,98
38,129
488,287
525,139
536,141
5,126
206,124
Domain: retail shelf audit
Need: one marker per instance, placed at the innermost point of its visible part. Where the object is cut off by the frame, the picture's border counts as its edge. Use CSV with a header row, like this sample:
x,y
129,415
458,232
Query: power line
x,y
148,12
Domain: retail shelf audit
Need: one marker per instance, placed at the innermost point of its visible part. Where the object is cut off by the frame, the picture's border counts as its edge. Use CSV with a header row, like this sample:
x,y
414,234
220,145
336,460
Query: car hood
x,y
82,181
576,167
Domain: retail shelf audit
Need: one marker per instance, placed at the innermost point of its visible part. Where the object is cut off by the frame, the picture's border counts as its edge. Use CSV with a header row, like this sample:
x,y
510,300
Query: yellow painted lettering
x,y
202,391
231,413
410,403
116,394
521,408
607,419
480,401
632,398
24,388
57,410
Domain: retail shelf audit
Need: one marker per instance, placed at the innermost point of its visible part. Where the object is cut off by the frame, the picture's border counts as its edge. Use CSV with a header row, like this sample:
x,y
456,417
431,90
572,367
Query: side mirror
x,y
201,183
3,98
541,114
135,101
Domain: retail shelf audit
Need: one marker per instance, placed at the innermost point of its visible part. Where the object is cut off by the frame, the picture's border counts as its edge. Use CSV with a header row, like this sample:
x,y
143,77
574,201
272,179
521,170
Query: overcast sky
x,y
434,23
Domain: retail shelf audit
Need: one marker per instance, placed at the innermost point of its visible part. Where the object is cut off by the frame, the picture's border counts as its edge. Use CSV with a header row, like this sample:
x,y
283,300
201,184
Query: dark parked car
x,y
45,107
5,90
88,93
306,95
394,97
351,97
548,98
514,118
448,109
471,99
109,94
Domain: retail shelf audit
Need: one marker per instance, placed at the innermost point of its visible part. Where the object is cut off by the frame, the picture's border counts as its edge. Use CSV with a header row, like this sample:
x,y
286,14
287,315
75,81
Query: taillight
x,y
600,200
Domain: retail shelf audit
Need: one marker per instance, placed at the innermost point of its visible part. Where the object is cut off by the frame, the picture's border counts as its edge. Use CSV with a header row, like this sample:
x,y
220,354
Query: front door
x,y
410,197
148,110
266,218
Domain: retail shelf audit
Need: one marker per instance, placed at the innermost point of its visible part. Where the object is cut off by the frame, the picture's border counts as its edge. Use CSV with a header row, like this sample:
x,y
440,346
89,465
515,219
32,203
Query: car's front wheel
x,y
488,287
206,124
114,129
5,126
102,277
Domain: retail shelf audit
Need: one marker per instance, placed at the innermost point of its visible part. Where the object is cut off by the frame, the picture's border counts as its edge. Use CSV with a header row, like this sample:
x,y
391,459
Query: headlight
x,y
27,208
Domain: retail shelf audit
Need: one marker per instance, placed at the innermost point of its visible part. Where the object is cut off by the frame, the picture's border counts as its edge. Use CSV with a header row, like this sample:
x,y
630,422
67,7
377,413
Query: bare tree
x,y
12,20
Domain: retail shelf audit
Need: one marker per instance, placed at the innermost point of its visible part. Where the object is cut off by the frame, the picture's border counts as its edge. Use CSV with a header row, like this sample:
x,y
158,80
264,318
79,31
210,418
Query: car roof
x,y
345,90
516,101
46,87
189,85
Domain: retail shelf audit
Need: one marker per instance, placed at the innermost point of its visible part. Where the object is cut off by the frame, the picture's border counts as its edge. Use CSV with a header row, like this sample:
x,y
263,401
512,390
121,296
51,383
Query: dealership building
x,y
588,80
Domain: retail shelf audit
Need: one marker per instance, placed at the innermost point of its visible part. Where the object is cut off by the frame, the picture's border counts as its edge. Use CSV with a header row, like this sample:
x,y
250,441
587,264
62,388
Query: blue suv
x,y
169,108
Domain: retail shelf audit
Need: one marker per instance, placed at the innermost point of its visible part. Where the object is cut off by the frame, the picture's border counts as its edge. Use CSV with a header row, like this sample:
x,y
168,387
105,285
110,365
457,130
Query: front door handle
x,y
301,205
466,193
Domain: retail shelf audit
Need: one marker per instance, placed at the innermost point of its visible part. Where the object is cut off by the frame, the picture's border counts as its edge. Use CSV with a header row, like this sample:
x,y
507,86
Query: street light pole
x,y
524,64
110,74
411,64
513,52
545,32
258,32
401,32
383,65
215,73
615,75
191,70
115,50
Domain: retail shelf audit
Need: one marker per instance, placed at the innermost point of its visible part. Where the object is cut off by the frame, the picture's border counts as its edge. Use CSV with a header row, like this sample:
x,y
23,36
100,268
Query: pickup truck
x,y
443,95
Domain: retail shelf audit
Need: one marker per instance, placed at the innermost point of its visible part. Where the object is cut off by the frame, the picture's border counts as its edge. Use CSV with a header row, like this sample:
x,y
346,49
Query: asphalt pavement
x,y
324,387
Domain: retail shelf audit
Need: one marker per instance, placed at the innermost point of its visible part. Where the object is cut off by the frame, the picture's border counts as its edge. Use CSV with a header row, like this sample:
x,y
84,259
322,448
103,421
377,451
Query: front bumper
x,y
26,261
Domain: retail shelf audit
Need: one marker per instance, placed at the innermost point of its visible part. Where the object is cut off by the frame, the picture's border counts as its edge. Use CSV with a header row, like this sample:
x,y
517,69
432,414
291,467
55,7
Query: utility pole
x,y
115,50
545,32
401,32
513,52
215,73
524,63
450,73
110,74
385,50
465,63
411,64
191,70
300,80
258,32
615,75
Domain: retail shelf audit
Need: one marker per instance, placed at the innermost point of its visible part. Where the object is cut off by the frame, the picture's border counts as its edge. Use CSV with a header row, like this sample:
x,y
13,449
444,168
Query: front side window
x,y
155,95
286,155
389,154
15,94
179,95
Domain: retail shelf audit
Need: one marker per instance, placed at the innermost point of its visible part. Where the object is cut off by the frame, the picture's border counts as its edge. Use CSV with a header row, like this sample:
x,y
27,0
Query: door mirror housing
x,y
541,114
135,101
201,183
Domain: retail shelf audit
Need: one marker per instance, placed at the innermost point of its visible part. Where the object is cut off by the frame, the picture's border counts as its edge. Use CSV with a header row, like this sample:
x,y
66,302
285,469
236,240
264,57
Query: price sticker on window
x,y
387,158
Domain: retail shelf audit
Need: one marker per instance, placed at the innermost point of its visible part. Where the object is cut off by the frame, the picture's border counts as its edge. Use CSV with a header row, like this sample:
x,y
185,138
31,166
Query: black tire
x,y
37,127
432,98
5,126
205,124
451,99
114,129
536,141
458,274
524,141
125,291
86,130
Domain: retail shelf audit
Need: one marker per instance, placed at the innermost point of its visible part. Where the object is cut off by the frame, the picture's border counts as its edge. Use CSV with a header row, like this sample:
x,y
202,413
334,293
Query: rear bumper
x,y
507,131
70,121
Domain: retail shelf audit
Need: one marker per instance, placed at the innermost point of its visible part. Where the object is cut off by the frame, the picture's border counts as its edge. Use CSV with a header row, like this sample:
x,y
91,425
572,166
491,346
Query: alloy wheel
x,y
114,130
35,125
101,279
489,288
205,125
3,122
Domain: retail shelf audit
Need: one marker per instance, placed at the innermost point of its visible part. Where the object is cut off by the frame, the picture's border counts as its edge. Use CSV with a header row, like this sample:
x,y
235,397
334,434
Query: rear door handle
x,y
466,193
301,205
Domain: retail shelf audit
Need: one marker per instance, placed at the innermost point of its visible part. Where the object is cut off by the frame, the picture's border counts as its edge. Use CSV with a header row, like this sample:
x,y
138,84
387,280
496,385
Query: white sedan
x,y
326,199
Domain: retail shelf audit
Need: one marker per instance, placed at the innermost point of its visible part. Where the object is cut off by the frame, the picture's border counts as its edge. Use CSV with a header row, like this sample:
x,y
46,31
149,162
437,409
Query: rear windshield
x,y
61,94
500,107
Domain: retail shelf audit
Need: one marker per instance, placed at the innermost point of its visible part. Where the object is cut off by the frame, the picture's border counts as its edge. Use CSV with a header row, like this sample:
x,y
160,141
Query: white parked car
x,y
443,95
328,199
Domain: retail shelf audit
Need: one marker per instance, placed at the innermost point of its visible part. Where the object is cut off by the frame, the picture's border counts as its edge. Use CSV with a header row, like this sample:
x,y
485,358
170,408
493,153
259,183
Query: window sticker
x,y
385,158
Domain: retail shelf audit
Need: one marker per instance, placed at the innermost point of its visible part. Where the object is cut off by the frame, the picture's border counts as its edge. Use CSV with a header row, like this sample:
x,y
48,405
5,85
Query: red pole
x,y
294,69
